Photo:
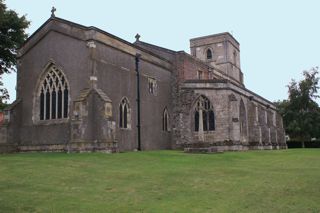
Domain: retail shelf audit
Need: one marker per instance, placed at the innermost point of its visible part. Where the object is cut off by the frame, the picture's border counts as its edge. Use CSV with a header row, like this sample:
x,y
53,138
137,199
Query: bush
x,y
307,144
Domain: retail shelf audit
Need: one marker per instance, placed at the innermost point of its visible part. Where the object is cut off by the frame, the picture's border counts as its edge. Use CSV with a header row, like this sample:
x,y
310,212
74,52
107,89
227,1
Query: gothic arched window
x,y
204,119
54,95
165,120
243,119
124,114
209,54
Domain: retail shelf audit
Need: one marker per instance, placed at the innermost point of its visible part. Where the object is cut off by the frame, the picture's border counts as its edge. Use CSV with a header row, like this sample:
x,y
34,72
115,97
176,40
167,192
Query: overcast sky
x,y
278,39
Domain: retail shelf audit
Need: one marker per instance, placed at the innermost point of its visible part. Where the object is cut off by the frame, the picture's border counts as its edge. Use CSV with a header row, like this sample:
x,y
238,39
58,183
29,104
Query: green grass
x,y
161,181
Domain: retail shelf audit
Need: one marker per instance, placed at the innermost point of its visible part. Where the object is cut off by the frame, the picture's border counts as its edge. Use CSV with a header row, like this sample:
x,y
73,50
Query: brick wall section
x,y
188,67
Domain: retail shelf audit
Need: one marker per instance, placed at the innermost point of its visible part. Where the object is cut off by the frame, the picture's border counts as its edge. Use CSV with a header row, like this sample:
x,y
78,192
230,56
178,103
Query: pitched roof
x,y
87,91
90,33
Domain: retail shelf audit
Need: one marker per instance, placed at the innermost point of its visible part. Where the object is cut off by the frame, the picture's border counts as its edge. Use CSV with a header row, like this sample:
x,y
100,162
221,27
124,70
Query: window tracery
x,y
204,118
54,95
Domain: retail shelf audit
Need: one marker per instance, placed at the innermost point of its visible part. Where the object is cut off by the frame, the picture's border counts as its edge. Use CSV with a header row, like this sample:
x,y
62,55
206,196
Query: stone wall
x,y
82,52
241,122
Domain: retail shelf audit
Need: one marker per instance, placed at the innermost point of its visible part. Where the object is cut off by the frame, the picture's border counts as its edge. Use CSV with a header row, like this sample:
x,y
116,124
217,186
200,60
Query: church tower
x,y
221,51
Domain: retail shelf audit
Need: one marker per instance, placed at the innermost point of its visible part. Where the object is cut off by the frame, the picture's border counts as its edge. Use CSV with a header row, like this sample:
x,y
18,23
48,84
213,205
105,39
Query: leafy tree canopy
x,y
12,35
3,106
301,113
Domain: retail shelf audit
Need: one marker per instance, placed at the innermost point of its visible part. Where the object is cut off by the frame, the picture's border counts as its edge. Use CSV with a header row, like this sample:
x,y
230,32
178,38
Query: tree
x,y
12,35
301,113
3,106
4,95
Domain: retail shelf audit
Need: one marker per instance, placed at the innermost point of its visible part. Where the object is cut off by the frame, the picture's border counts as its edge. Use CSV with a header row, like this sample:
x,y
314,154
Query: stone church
x,y
82,89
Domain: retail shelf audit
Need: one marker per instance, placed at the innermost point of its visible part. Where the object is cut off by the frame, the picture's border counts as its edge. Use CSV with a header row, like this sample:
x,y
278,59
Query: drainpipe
x,y
137,59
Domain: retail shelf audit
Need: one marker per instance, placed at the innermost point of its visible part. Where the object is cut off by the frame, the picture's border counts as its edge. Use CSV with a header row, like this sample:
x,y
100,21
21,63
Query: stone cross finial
x,y
52,11
137,37
93,81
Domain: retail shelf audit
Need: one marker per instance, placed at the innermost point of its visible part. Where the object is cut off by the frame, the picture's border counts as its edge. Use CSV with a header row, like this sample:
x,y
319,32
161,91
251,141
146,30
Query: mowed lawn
x,y
161,181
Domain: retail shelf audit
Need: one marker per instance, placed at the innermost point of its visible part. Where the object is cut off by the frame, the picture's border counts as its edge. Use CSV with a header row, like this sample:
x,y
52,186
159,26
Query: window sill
x,y
124,129
51,122
205,132
211,60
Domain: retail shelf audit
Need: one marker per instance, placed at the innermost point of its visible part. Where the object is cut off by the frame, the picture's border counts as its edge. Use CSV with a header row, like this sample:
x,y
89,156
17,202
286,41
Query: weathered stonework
x,y
99,70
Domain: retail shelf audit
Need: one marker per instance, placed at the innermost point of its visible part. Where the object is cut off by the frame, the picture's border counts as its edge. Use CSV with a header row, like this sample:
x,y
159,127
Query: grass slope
x,y
161,181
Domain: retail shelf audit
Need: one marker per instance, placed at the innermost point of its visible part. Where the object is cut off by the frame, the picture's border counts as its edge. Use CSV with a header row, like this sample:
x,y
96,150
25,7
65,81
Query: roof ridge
x,y
155,46
92,28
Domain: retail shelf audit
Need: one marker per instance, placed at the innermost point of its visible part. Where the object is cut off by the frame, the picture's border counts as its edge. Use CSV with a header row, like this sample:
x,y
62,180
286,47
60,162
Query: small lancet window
x,y
124,114
165,120
209,54
204,119
152,86
53,103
